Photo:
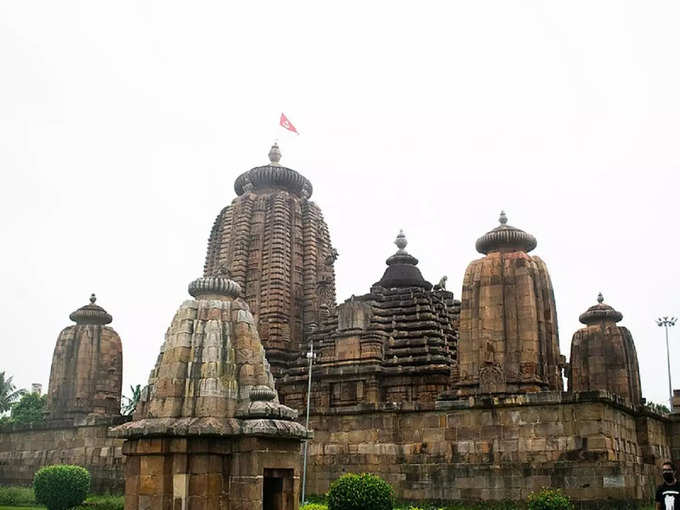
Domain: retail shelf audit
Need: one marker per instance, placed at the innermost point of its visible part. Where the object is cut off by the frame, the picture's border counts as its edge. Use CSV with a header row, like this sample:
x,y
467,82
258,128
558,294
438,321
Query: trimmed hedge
x,y
549,499
61,486
314,506
359,492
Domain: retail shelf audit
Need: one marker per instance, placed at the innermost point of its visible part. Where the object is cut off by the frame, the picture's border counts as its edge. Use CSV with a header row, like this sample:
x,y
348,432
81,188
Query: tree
x,y
130,403
29,409
8,393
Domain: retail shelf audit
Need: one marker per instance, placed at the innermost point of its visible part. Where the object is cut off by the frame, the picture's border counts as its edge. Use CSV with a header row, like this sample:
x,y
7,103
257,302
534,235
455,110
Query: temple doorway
x,y
277,489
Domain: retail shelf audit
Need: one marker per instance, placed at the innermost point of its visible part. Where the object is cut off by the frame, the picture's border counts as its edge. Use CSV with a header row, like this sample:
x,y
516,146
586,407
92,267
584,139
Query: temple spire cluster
x,y
438,395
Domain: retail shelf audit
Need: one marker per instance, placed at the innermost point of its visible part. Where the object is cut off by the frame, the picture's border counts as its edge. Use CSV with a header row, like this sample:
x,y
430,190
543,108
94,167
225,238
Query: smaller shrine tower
x,y
209,431
87,367
603,355
508,321
394,345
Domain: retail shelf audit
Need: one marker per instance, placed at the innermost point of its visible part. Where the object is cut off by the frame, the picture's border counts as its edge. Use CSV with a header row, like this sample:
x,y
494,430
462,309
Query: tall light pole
x,y
310,356
668,322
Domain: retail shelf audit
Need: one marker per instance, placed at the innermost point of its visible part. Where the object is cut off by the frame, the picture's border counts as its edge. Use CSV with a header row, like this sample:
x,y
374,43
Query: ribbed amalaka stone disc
x,y
273,241
603,356
508,321
87,367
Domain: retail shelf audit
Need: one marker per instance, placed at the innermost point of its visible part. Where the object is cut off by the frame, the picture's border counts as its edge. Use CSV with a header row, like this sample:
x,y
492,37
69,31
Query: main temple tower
x,y
273,241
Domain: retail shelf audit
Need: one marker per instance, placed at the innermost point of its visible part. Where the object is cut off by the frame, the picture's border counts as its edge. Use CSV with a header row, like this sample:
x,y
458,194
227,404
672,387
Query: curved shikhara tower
x,y
273,242
603,355
508,322
87,367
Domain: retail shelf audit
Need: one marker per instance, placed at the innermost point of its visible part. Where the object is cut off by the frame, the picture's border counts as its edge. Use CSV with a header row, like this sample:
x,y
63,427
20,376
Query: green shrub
x,y
13,496
103,503
313,506
359,492
61,487
549,499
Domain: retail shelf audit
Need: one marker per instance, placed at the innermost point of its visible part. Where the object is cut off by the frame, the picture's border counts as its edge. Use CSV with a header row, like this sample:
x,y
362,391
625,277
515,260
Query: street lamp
x,y
310,356
668,322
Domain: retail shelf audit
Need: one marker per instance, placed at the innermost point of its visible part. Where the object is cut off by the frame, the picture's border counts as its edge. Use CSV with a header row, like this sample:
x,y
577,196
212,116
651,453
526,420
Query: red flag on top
x,y
287,124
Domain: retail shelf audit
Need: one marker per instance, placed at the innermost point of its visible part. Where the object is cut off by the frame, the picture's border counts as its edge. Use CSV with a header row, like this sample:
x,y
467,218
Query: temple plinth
x,y
273,241
87,367
603,355
508,321
209,431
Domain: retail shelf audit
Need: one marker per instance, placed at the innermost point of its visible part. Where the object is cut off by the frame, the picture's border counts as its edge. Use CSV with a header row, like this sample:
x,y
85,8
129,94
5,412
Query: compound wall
x,y
486,448
24,450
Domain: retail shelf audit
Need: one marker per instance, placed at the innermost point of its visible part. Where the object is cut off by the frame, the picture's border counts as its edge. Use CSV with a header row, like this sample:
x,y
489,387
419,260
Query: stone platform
x,y
486,448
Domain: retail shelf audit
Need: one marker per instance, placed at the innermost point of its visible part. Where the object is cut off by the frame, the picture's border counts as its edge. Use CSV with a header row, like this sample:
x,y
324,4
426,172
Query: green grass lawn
x,y
24,507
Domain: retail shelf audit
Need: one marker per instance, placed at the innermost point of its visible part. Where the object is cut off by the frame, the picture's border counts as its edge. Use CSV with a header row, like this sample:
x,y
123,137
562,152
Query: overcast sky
x,y
124,124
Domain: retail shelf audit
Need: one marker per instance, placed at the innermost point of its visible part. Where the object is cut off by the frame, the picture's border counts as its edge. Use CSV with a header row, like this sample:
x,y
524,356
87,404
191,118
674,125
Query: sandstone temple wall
x,y
25,450
489,448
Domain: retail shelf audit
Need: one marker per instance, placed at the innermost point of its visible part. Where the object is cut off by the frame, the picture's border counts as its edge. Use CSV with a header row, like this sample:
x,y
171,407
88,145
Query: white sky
x,y
124,124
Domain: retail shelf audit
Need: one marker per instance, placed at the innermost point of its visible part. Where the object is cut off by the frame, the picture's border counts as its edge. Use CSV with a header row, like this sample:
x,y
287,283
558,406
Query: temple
x,y
395,344
508,321
446,399
87,367
209,431
603,355
274,243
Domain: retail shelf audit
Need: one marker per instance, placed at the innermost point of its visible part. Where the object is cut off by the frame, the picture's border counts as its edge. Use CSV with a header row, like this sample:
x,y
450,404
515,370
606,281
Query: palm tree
x,y
8,393
130,403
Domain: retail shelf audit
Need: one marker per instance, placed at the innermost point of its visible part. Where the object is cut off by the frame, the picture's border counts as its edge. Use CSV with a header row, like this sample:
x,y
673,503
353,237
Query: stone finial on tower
x,y
275,155
401,268
600,312
93,298
505,238
401,241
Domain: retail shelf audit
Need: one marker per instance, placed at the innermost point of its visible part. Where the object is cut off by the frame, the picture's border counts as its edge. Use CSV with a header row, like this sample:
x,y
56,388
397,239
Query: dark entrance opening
x,y
277,489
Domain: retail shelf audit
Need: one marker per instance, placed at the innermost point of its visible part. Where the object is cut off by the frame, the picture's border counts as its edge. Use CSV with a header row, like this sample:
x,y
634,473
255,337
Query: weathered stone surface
x,y
603,355
87,367
209,431
508,321
394,392
24,450
396,344
274,243
496,447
